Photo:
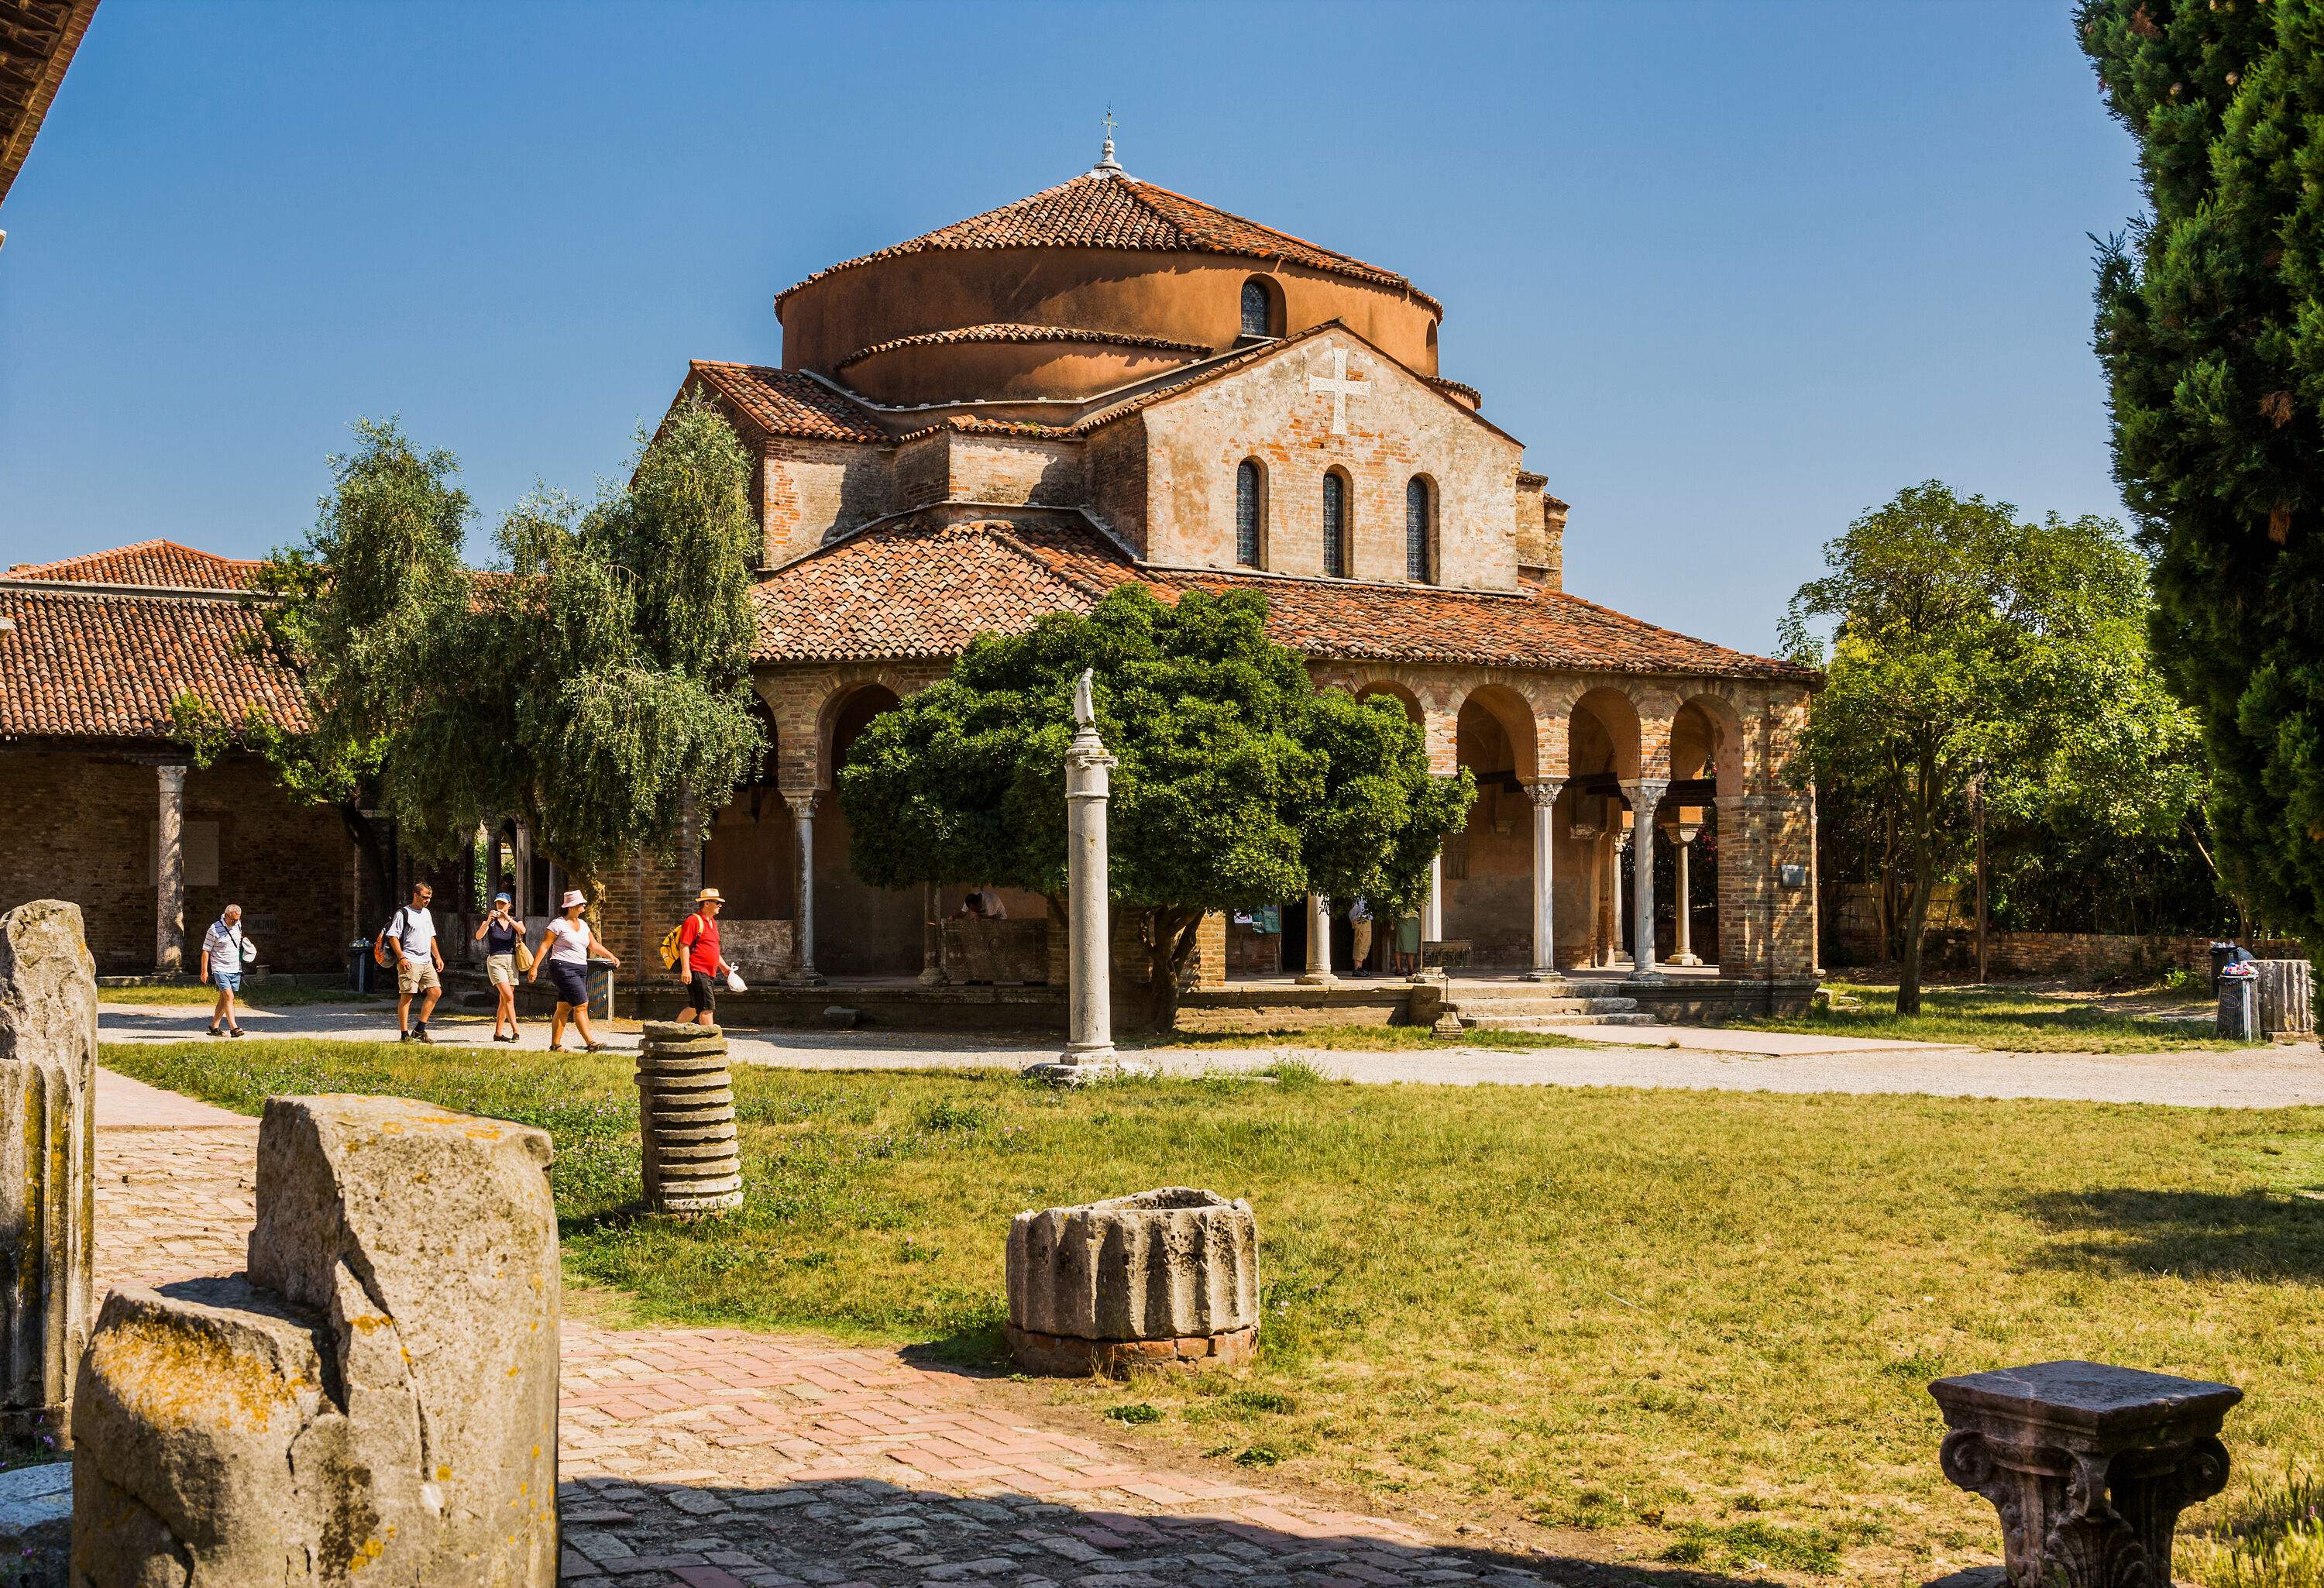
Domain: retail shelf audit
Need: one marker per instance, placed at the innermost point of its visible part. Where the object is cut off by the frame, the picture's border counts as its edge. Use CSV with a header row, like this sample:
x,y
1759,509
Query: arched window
x,y
1248,483
1336,526
1419,533
1259,316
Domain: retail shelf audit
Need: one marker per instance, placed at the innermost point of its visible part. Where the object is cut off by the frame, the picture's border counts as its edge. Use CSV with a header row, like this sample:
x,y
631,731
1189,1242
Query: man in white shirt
x,y
418,963
222,963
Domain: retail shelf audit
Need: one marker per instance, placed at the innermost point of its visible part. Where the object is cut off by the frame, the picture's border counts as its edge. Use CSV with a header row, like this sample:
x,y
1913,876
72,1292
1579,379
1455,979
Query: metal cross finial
x,y
1106,163
1109,123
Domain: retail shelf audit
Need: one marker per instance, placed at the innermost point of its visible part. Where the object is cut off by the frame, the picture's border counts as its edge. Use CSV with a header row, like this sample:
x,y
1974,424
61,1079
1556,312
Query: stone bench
x,y
2089,1466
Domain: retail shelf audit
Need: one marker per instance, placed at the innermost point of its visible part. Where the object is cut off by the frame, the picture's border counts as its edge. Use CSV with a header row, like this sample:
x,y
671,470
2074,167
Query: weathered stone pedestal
x,y
2286,999
2089,1466
1165,1277
685,1119
47,1207
375,1401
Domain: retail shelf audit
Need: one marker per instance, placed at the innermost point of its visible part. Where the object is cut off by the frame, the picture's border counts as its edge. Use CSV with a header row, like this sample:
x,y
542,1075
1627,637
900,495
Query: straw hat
x,y
710,896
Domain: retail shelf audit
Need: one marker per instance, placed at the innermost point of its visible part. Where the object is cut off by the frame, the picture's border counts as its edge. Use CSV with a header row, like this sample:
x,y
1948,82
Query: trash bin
x,y
359,967
2222,955
2239,1006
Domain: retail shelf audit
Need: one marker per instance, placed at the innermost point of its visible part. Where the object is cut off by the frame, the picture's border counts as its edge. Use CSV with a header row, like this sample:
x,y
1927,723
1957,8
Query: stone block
x,y
377,1398
1134,1278
48,1191
692,1159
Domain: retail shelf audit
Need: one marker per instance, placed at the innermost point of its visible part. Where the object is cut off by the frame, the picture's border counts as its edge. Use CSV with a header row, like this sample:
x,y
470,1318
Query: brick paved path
x,y
716,1457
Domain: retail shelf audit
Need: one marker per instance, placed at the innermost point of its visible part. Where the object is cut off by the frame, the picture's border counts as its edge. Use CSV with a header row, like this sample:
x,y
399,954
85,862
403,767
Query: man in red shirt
x,y
698,959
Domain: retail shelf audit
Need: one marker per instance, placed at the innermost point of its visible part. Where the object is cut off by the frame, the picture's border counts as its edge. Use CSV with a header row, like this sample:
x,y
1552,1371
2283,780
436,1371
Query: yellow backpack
x,y
670,951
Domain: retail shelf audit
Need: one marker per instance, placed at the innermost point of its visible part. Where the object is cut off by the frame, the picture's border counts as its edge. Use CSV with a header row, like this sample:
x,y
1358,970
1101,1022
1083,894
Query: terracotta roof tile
x,y
1019,332
924,591
789,403
1101,210
86,666
147,562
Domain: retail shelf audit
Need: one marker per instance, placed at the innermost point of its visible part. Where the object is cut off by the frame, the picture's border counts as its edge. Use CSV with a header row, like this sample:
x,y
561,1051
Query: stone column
x,y
1614,886
1544,793
1644,795
802,802
931,937
1089,1053
1685,837
1318,973
1431,909
169,887
48,1190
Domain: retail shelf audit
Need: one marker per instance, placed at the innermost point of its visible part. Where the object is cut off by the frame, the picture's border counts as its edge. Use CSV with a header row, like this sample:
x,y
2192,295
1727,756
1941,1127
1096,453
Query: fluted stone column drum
x,y
1169,1276
685,1119
48,1189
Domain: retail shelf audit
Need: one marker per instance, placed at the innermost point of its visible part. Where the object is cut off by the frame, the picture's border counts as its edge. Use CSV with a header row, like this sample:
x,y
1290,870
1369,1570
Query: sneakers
x,y
420,1032
498,1037
399,1036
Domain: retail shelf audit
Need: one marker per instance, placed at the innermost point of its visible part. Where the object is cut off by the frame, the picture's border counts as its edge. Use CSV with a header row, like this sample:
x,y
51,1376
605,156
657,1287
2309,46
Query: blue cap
x,y
500,899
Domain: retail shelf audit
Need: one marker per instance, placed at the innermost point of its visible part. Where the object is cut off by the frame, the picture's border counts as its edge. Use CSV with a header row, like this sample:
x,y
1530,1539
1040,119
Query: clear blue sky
x,y
1734,273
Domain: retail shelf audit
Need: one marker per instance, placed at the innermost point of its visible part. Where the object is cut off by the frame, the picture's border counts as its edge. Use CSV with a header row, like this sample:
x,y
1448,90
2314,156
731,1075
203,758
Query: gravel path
x,y
2262,1077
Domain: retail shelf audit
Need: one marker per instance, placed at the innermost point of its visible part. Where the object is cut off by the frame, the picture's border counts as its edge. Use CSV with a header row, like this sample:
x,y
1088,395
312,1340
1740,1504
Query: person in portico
x,y
1109,380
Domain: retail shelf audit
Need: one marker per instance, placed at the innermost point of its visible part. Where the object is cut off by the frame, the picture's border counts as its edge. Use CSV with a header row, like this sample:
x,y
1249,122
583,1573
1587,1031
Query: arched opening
x,y
1336,528
1262,307
1251,513
860,930
749,853
1487,865
1420,530
1590,829
1706,753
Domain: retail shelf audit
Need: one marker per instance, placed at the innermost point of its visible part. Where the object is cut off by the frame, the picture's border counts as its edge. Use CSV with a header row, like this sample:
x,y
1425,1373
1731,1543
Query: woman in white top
x,y
567,944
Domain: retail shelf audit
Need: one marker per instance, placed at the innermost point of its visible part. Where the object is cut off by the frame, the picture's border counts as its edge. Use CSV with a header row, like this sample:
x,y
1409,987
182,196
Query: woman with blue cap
x,y
503,936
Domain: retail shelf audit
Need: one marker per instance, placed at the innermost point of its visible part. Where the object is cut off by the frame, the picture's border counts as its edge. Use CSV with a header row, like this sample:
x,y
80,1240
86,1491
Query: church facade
x,y
1108,381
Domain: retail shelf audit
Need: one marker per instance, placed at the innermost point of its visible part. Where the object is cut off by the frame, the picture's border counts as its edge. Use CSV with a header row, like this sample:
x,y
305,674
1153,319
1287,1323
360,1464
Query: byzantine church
x,y
1109,380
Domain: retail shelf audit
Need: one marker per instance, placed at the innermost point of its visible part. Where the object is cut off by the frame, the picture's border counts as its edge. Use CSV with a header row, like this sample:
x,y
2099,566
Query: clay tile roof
x,y
926,590
920,590
81,665
788,402
37,40
1018,333
1102,210
162,563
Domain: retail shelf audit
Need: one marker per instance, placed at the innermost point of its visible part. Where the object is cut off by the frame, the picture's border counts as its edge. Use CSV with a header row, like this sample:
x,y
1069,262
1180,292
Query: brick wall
x,y
811,490
81,829
2090,955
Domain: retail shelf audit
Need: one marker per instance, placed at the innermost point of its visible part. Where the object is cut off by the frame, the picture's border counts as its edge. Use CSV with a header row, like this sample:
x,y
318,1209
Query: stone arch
x,y
1606,720
1707,735
861,931
1488,866
1513,711
1261,305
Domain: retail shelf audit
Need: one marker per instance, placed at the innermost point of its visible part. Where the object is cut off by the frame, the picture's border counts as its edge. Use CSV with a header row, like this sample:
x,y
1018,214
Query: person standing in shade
x,y
418,966
698,960
499,933
566,945
1360,924
223,957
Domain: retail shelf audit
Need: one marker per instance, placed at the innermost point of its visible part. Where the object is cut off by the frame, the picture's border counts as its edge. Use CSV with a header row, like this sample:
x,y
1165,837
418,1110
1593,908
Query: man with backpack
x,y
691,950
410,937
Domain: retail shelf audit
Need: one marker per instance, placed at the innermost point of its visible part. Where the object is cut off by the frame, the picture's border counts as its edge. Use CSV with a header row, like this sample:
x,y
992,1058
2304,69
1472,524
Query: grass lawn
x,y
267,994
2000,1020
1689,1326
1356,1038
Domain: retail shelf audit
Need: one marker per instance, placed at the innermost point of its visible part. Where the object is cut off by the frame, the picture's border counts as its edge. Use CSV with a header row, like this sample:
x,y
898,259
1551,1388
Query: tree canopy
x,y
1971,650
2210,327
592,683
1240,783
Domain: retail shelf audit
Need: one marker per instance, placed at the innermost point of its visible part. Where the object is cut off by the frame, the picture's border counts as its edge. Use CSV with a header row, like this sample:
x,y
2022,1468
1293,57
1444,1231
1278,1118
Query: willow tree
x,y
1238,781
592,683
2210,327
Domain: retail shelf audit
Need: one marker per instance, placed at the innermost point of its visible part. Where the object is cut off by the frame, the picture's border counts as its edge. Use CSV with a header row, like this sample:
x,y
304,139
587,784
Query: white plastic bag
x,y
249,952
734,981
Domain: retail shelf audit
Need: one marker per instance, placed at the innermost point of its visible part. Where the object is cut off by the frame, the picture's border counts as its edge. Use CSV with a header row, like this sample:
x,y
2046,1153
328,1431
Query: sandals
x,y
231,1031
215,1032
595,1048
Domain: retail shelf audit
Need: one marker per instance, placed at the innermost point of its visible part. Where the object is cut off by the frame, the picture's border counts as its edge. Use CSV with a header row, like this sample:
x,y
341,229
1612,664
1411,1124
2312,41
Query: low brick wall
x,y
2090,956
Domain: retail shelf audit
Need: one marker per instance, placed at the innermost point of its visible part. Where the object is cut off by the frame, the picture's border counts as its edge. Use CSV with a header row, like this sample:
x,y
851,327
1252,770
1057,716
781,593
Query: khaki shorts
x,y
419,977
500,969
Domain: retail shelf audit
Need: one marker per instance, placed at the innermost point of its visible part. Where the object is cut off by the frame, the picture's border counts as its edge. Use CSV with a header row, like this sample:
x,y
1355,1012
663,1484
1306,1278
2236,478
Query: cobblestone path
x,y
716,1457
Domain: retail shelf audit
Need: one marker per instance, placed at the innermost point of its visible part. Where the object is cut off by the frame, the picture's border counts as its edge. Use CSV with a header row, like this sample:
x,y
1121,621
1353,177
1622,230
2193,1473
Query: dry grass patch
x,y
1694,1326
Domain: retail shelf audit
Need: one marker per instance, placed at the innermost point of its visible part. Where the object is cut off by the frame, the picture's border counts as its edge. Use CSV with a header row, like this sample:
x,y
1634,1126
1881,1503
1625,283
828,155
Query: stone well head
x,y
1166,1275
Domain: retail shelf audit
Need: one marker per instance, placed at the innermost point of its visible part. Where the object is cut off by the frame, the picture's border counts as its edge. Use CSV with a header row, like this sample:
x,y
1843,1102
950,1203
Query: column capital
x,y
172,774
1545,790
1644,790
802,801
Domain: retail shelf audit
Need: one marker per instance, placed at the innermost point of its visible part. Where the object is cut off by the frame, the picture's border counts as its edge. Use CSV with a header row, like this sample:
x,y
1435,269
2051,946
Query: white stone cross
x,y
1340,386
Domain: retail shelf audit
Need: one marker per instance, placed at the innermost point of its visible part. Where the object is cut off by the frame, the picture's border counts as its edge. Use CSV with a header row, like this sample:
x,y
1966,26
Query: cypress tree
x,y
2210,327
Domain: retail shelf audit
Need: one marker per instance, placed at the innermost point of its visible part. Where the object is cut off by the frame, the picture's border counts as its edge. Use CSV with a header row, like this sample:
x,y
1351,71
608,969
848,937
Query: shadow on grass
x,y
855,1530
2207,1234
